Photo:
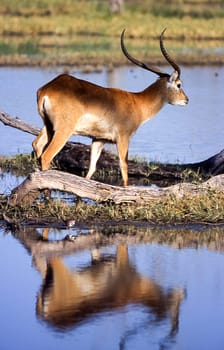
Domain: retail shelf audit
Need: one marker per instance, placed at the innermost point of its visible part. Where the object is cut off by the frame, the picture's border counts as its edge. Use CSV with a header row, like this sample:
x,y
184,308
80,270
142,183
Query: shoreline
x,y
89,63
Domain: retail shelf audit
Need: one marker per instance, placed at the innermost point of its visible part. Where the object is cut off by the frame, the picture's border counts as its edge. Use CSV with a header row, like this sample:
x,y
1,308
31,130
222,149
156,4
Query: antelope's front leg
x,y
96,149
40,142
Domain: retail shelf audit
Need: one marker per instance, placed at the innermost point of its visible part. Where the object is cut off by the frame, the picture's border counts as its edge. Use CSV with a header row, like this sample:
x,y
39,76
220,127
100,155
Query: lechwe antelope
x,y
70,106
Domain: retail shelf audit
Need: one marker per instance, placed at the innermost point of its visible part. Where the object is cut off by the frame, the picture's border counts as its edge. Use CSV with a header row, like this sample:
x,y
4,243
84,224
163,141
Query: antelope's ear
x,y
173,76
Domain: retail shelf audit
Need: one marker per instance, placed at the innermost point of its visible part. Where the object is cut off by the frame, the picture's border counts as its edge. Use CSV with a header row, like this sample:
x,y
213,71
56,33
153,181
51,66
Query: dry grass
x,y
206,208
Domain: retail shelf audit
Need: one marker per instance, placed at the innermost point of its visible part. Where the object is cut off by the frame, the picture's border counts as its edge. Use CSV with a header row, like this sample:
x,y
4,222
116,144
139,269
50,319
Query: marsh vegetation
x,y
85,32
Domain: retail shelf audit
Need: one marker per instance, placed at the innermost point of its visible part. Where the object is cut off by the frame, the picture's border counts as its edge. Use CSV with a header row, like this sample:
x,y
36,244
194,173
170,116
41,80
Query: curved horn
x,y
167,57
139,63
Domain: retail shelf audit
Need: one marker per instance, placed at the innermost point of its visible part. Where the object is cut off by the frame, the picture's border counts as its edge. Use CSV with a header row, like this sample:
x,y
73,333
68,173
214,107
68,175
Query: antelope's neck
x,y
152,99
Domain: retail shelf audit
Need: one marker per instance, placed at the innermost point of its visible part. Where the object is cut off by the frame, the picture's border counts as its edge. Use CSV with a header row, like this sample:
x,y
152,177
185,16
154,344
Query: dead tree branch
x,y
97,191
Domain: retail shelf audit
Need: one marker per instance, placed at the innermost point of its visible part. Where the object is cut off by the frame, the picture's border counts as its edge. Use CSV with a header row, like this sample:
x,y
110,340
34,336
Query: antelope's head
x,y
174,92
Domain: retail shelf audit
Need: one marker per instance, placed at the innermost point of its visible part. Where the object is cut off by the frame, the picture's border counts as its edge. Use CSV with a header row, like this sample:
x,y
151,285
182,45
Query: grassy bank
x,y
204,208
85,32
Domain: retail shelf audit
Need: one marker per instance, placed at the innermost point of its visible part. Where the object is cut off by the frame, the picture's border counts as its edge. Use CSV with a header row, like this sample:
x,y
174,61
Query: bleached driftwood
x,y
100,192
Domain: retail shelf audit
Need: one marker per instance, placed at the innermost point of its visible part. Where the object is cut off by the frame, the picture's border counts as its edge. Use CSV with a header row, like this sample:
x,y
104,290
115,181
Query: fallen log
x,y
38,181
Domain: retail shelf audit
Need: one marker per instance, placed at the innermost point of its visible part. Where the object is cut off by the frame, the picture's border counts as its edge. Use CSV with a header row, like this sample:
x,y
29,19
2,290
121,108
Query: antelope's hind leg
x,y
59,139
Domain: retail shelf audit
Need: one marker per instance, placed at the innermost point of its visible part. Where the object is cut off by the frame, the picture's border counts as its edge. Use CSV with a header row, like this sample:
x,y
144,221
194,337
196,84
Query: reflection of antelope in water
x,y
69,297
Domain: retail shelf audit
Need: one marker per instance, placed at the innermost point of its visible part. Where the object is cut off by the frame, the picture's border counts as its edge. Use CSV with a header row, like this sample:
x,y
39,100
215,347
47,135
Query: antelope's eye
x,y
179,85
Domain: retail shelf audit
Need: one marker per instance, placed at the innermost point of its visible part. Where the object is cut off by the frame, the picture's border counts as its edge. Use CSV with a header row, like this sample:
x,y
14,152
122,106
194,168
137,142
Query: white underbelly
x,y
94,126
